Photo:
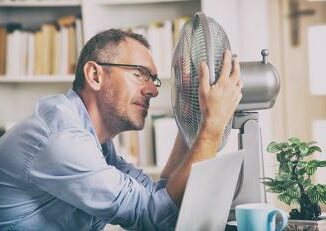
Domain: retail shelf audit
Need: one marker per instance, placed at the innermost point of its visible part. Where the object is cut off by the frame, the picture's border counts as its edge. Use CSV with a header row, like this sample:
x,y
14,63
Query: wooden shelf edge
x,y
38,79
39,3
125,2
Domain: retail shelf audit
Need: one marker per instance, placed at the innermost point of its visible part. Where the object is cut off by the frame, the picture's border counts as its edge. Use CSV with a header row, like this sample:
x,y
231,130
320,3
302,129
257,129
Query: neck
x,y
103,133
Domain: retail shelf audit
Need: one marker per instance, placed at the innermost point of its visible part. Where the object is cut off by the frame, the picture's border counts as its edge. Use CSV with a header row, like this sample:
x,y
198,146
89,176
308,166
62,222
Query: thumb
x,y
203,78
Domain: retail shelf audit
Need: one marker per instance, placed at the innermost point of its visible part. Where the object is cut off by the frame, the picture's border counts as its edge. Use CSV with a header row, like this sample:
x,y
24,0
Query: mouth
x,y
143,105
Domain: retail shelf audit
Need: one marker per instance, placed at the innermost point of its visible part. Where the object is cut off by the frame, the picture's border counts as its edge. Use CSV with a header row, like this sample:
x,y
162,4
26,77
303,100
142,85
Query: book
x,y
30,54
71,42
167,47
127,146
38,41
162,37
177,26
56,53
13,59
72,52
154,39
79,36
22,54
63,51
47,51
67,21
3,45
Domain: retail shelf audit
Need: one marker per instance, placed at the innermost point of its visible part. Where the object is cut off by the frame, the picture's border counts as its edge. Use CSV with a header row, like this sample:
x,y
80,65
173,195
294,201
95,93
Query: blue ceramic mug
x,y
260,217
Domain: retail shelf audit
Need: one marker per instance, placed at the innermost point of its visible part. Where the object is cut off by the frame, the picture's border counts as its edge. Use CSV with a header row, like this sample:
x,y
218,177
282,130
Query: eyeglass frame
x,y
153,77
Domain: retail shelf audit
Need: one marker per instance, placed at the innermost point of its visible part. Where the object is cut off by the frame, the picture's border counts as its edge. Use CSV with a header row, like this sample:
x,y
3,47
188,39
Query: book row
x,y
52,50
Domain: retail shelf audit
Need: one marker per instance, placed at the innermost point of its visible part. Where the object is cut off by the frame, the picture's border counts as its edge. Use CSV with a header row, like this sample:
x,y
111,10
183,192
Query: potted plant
x,y
293,183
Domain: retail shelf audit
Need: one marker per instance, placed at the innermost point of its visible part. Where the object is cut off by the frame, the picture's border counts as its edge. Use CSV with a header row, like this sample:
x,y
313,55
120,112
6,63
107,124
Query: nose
x,y
150,90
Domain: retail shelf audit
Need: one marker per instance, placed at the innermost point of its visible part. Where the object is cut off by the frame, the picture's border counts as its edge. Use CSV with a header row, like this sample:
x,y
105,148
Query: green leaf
x,y
267,178
311,170
314,149
269,182
321,163
313,195
323,199
273,147
294,140
301,171
284,176
316,163
284,145
287,199
306,183
293,192
284,167
282,158
303,149
321,189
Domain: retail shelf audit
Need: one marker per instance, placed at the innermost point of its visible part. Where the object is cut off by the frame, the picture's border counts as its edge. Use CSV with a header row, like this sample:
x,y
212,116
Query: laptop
x,y
209,192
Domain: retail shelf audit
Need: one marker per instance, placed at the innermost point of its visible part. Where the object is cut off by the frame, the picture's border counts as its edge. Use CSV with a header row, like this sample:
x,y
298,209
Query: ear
x,y
92,74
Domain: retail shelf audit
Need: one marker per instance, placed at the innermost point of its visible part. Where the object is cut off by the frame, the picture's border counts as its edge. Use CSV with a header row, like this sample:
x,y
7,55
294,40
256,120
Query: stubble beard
x,y
117,117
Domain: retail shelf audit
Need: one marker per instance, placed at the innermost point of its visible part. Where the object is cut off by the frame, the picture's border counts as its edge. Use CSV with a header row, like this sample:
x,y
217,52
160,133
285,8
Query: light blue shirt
x,y
55,175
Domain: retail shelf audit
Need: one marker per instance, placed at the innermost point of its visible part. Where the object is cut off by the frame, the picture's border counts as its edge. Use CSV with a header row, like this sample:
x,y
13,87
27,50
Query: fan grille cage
x,y
199,36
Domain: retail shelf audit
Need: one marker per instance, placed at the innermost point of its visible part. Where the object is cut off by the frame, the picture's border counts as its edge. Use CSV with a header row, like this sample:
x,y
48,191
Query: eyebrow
x,y
150,70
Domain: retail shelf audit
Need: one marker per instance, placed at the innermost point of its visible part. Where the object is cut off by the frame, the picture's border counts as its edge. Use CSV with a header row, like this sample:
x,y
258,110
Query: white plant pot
x,y
305,225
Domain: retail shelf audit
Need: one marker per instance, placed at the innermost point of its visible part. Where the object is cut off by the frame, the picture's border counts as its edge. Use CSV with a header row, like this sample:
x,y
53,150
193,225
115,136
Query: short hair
x,y
102,48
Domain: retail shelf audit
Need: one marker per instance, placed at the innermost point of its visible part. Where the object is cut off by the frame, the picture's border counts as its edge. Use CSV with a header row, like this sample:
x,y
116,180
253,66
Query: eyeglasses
x,y
143,74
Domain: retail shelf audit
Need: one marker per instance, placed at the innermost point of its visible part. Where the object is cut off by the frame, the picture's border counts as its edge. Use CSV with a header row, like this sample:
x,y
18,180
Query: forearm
x,y
177,156
204,148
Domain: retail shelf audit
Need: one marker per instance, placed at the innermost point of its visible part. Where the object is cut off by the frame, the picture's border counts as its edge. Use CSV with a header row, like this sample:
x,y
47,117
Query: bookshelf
x,y
19,91
22,90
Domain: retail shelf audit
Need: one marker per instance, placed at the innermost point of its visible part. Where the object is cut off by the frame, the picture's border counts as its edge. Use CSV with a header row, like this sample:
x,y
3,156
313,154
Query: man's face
x,y
124,100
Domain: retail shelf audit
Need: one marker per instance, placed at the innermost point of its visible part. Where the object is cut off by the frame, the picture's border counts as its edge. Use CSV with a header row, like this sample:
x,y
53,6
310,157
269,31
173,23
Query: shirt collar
x,y
83,113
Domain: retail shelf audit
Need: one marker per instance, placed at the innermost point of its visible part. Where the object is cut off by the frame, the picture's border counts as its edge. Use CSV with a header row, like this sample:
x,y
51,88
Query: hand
x,y
219,101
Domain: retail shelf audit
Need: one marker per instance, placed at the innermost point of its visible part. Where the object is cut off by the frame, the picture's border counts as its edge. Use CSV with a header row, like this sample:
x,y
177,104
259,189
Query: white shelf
x,y
125,2
38,79
39,3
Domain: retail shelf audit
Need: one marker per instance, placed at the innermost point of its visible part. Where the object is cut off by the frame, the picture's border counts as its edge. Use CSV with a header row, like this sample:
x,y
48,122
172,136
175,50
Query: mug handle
x,y
281,223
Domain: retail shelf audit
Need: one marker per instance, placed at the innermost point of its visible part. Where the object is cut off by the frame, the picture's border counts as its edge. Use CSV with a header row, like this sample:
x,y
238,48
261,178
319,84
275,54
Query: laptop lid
x,y
209,192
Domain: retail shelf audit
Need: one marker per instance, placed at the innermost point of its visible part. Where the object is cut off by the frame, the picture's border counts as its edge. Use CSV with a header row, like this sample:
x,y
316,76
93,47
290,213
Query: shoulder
x,y
71,147
57,113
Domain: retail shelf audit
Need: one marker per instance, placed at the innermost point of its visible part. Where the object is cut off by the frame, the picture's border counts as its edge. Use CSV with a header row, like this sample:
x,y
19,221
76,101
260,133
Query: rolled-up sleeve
x,y
139,175
70,166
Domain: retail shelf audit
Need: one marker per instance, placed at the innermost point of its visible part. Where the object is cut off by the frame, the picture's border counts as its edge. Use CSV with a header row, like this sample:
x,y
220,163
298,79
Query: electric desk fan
x,y
203,39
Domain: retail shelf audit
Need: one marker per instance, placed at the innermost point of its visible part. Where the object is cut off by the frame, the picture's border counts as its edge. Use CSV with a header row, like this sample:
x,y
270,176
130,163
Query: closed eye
x,y
143,71
137,74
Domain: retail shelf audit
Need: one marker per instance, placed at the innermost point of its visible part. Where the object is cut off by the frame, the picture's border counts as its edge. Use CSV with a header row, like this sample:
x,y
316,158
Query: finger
x,y
226,68
203,78
235,75
239,83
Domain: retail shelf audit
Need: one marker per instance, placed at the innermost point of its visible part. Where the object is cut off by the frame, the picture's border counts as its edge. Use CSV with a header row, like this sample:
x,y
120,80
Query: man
x,y
59,169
